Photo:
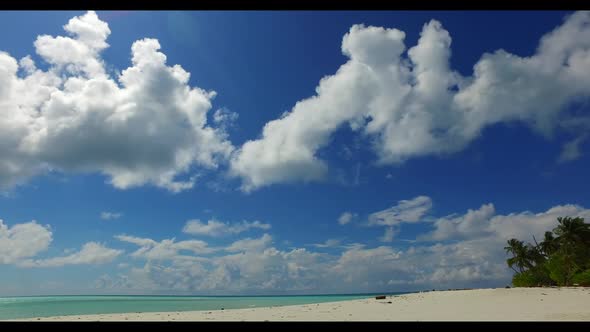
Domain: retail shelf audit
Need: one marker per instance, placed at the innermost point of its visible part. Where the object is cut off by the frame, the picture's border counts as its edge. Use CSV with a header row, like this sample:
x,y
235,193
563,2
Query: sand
x,y
514,304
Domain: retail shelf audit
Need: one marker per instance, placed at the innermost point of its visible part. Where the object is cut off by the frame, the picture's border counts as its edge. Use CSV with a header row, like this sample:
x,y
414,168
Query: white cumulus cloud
x,y
23,241
484,222
91,253
217,228
462,250
329,243
144,126
346,218
412,103
250,244
388,235
165,249
571,149
405,211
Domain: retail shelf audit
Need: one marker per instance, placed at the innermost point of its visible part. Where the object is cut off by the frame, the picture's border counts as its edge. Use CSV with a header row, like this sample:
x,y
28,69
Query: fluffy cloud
x,y
483,222
147,125
144,242
403,212
330,243
105,281
23,241
165,249
413,104
265,271
217,228
462,250
91,253
472,223
346,218
144,126
571,149
225,119
249,244
110,215
388,235
371,265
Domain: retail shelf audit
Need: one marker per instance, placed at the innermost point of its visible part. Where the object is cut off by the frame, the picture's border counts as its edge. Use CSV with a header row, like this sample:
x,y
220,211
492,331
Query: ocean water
x,y
44,306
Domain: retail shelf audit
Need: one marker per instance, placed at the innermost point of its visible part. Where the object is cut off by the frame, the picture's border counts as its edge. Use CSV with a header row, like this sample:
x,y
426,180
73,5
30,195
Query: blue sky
x,y
333,157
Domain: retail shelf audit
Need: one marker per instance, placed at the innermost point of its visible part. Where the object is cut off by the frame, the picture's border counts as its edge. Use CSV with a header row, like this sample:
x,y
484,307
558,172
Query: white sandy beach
x,y
515,304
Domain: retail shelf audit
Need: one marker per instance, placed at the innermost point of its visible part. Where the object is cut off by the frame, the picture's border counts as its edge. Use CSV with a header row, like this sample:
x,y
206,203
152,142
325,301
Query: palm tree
x,y
519,255
560,258
534,256
572,237
549,245
571,231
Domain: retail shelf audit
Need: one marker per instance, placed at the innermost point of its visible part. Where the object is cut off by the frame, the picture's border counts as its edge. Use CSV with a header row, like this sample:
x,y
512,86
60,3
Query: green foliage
x,y
572,231
534,256
562,258
549,244
559,270
524,257
582,278
532,278
524,279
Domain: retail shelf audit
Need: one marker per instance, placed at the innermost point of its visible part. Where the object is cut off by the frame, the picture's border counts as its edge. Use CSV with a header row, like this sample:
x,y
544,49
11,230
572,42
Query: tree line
x,y
562,258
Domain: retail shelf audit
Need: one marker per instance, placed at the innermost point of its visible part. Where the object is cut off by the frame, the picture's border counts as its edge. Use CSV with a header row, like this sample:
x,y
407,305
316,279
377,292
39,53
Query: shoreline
x,y
495,304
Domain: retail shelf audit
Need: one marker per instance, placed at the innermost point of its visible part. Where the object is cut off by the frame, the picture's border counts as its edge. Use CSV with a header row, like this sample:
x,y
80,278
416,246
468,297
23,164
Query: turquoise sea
x,y
44,306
